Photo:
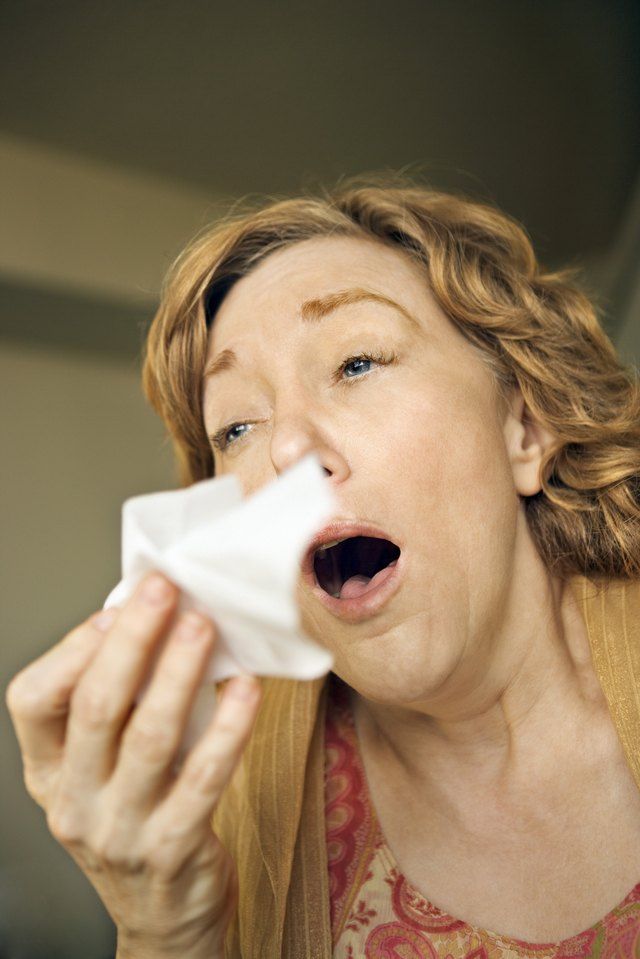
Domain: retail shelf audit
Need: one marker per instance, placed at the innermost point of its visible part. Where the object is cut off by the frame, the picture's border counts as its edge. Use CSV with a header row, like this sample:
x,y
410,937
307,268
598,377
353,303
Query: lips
x,y
355,608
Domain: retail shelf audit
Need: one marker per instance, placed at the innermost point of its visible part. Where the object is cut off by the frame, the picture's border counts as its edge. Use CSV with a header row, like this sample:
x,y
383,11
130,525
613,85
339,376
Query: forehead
x,y
275,289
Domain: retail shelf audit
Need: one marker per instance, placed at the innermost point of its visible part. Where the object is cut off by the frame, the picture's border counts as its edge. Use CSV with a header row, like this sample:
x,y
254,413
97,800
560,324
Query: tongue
x,y
359,585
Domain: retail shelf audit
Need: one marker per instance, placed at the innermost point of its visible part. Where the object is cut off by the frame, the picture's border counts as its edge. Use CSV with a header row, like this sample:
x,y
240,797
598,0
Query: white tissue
x,y
238,561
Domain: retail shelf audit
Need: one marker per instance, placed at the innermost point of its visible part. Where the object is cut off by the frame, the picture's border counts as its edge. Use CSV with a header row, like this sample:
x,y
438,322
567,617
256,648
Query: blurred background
x,y
125,127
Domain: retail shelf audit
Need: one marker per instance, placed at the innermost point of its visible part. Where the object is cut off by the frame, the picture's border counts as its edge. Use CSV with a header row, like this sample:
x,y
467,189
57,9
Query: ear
x,y
526,442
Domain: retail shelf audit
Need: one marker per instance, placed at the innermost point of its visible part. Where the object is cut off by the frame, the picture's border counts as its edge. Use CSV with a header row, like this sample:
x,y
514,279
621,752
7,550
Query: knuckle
x,y
110,846
93,706
175,833
205,773
32,699
139,626
192,623
12,694
23,699
231,733
175,669
109,853
36,785
164,868
173,675
150,738
65,826
168,858
165,861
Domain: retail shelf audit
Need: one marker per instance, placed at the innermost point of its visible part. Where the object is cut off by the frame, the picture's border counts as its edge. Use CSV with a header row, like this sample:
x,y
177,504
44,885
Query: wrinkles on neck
x,y
532,708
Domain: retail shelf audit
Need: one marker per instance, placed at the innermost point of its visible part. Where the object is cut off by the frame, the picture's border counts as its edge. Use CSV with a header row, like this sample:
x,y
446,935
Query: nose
x,y
294,439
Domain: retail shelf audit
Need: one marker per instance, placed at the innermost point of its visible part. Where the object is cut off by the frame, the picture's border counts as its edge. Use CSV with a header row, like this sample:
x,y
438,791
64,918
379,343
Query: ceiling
x,y
533,104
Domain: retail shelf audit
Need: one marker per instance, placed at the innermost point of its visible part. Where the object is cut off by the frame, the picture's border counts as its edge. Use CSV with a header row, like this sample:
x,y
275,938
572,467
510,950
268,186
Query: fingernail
x,y
105,618
155,589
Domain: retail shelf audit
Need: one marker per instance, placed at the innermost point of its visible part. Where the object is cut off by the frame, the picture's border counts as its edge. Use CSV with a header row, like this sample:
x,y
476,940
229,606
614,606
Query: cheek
x,y
443,451
479,504
393,432
448,434
410,437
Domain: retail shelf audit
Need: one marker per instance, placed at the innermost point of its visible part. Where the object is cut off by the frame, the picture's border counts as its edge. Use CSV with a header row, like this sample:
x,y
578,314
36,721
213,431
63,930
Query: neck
x,y
501,727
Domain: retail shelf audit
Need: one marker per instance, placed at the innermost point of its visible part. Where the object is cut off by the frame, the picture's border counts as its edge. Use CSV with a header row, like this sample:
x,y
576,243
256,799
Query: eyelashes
x,y
383,359
221,443
219,440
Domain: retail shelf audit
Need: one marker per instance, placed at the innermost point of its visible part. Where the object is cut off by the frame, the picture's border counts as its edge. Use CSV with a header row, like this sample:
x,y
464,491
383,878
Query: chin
x,y
392,681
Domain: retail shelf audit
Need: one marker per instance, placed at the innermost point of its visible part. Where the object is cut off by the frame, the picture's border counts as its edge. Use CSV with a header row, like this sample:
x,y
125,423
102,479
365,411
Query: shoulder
x,y
608,604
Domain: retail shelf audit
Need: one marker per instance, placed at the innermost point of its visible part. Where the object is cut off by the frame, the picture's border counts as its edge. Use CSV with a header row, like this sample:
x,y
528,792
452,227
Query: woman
x,y
466,781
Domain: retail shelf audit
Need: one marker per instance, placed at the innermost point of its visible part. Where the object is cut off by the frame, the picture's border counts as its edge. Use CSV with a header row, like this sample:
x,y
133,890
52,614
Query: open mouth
x,y
354,566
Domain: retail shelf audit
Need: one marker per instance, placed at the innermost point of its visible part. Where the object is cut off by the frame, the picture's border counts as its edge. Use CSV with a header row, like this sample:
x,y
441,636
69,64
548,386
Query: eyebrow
x,y
312,312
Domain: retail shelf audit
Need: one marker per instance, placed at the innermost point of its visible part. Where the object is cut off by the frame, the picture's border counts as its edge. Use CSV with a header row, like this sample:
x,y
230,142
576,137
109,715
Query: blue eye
x,y
234,426
380,358
358,359
220,440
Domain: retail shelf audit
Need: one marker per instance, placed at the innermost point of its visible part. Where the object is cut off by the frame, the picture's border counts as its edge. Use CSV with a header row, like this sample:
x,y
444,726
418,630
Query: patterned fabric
x,y
377,914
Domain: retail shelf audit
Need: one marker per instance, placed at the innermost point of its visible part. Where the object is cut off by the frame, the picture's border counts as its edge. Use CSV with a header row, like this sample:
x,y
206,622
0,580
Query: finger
x,y
38,697
187,808
104,697
155,730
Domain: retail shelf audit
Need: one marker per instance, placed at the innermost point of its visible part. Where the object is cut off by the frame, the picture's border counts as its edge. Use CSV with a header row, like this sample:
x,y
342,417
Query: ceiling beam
x,y
77,226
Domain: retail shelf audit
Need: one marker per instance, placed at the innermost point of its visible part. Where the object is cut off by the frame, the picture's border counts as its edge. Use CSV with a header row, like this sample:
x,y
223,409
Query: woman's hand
x,y
102,769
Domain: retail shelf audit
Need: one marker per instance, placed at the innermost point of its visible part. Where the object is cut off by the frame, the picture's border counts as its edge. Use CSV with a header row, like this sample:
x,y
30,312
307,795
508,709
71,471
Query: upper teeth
x,y
325,546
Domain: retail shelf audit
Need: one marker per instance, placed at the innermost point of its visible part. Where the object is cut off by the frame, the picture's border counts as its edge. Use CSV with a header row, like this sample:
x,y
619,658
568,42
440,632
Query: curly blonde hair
x,y
534,329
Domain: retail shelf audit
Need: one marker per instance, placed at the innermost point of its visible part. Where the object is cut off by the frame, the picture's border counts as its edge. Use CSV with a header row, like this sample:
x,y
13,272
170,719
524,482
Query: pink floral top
x,y
377,914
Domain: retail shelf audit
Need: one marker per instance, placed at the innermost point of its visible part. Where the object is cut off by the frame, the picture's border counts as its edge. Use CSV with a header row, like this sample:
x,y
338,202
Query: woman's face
x,y
416,446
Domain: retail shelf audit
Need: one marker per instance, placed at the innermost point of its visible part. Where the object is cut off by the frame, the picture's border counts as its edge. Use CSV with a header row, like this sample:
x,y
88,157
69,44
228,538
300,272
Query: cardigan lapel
x,y
277,779
307,929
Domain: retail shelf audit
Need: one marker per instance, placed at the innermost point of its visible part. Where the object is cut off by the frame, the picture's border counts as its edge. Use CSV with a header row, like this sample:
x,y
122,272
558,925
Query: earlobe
x,y
527,441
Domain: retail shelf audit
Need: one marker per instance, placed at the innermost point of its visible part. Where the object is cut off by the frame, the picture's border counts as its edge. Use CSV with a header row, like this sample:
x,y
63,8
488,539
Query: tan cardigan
x,y
271,817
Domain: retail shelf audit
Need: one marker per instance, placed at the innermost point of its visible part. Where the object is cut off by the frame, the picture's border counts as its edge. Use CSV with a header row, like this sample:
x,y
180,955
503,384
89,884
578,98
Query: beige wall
x,y
83,247
77,439
76,224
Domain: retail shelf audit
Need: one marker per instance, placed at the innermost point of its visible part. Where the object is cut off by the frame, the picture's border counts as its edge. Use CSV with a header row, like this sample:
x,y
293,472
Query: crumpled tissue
x,y
237,561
